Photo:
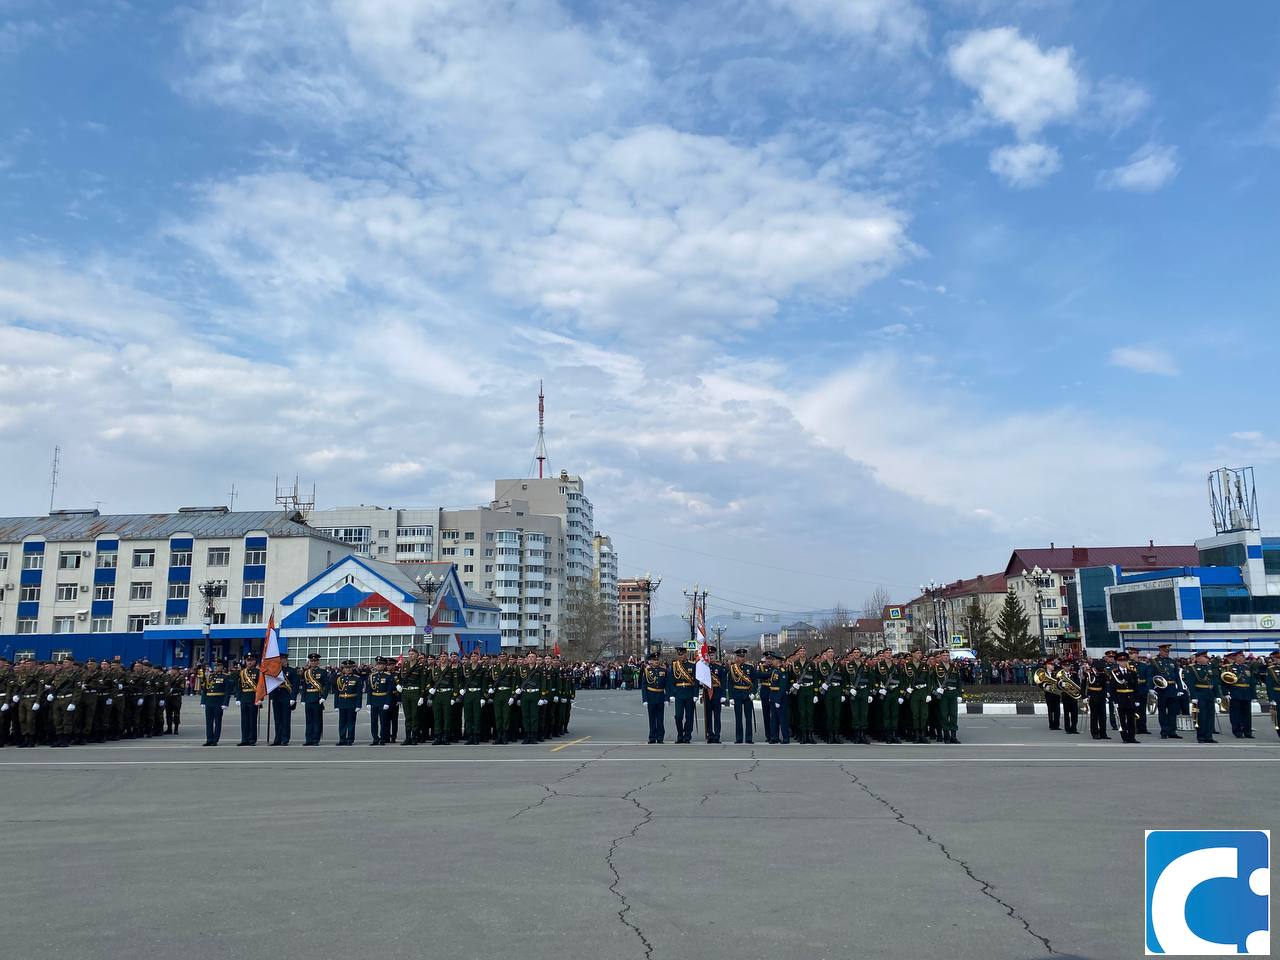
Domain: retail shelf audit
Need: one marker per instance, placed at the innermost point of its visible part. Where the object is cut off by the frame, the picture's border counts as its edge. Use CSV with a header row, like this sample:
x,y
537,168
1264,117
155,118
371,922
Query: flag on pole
x,y
273,650
703,669
555,650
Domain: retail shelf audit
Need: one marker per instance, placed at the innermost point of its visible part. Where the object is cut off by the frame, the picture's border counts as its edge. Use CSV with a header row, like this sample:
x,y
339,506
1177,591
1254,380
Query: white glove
x,y
224,706
386,706
482,702
491,691
909,689
871,699
399,689
109,701
119,686
511,701
843,699
420,701
724,701
35,706
518,691
900,700
542,703
815,699
16,698
71,708
49,697
432,691
139,701
928,698
938,691
3,707
883,692
673,699
823,688
159,703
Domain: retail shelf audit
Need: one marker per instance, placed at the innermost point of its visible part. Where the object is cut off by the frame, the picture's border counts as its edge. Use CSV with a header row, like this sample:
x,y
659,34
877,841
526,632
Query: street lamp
x,y
850,627
210,592
428,585
1040,594
936,592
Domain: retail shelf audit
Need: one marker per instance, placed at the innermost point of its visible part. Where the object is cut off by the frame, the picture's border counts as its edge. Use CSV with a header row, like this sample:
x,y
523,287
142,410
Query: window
x,y
33,561
468,568
60,655
1147,605
254,589
448,534
68,591
449,552
64,625
219,556
138,623
27,625
174,621
179,591
101,625
488,568
384,533
4,561
69,560
488,551
180,558
29,593
413,531
1228,555
255,558
382,551
469,535
252,618
488,537
348,615
140,591
144,558
218,618
446,616
356,536
107,560
104,591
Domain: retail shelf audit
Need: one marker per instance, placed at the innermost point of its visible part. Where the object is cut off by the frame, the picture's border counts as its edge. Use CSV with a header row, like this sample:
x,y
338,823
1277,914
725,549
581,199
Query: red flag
x,y
272,664
555,650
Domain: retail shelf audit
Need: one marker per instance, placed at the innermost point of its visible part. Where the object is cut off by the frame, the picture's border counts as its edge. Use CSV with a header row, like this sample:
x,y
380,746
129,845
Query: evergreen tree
x,y
977,627
1012,638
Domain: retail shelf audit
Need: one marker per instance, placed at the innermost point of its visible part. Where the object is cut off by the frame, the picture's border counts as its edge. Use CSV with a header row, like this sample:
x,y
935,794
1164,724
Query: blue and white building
x,y
1229,602
175,588
360,609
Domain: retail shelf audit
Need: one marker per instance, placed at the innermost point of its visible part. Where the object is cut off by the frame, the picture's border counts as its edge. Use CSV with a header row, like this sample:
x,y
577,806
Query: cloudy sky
x,y
828,294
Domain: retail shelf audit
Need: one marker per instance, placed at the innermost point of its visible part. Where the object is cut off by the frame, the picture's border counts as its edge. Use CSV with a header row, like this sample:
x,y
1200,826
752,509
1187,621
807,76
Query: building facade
x,y
635,614
561,497
895,621
936,618
604,572
175,588
798,633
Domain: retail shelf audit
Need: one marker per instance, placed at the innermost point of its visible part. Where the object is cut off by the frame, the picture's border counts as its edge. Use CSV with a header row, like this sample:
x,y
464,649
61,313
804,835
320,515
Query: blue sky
x,y
838,294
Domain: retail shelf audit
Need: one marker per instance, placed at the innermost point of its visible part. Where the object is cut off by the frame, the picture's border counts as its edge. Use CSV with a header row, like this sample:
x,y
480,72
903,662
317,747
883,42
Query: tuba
x,y
1043,679
1153,702
1159,682
1229,677
1068,686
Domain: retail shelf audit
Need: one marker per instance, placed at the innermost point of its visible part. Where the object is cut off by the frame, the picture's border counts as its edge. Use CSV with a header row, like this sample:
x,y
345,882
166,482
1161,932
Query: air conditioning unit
x,y
82,614
84,588
8,586
86,553
155,617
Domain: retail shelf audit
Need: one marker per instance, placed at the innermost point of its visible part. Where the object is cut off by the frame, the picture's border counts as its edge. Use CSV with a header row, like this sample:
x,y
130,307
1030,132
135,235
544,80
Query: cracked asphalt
x,y
1017,844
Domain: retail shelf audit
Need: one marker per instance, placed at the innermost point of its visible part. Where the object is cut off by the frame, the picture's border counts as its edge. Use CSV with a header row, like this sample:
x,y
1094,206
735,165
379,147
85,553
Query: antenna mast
x,y
540,452
294,501
53,479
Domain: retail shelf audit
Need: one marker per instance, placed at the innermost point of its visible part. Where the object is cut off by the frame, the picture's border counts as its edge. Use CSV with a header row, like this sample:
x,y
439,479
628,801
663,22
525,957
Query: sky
x,y
827,295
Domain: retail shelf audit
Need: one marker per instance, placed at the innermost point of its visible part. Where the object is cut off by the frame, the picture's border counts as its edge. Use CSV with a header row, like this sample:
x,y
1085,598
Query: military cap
x,y
1162,646
653,655
1122,655
313,656
711,649
740,652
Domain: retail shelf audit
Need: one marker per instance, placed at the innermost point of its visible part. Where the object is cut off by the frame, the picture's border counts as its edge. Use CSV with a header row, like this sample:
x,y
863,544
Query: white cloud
x,y
1017,82
1118,102
1148,169
1025,164
895,23
1144,360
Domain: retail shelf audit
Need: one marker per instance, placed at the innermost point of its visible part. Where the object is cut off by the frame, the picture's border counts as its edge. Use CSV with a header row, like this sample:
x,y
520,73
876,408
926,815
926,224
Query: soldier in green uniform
x,y
444,682
1202,679
891,699
803,692
916,688
173,700
1271,678
475,683
504,680
952,688
529,690
348,688
857,686
63,701
315,688
90,683
380,687
117,693
246,691
215,694
830,689
409,686
31,694
8,700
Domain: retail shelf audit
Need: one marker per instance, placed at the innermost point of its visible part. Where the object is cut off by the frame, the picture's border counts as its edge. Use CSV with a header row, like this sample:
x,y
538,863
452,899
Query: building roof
x,y
1152,556
868,625
799,627
214,522
972,587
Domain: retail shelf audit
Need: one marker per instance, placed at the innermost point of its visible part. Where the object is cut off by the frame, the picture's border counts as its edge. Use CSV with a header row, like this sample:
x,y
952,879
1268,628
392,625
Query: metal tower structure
x,y
540,451
295,502
1233,500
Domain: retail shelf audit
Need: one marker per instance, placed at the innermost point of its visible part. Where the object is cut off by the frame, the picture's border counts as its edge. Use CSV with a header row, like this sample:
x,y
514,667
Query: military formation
x,y
417,699
58,704
855,698
1123,689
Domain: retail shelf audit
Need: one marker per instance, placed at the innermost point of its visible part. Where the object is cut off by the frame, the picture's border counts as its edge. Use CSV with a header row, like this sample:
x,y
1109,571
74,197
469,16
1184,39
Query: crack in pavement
x,y
613,849
550,787
984,886
755,762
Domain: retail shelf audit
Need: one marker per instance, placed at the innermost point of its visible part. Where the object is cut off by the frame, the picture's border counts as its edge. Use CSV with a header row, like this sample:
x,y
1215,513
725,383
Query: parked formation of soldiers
x,y
854,698
1124,688
444,699
58,704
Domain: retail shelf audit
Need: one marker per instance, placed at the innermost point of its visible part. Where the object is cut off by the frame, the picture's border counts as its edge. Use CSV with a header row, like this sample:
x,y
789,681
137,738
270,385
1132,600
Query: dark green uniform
x,y
444,683
857,684
831,697
952,690
529,690
411,689
504,679
803,691
475,685
891,699
1271,678
915,679
1202,679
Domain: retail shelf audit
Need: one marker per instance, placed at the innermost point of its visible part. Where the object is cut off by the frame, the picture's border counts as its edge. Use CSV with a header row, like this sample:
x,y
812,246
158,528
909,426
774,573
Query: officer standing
x,y
890,696
284,698
247,693
830,680
504,680
1202,678
713,698
63,701
1124,687
1144,671
529,690
949,708
475,682
1168,697
1095,688
1241,694
773,699
443,683
1272,680
682,690
1052,696
315,688
381,685
215,694
409,686
348,687
802,690
858,688
742,687
916,680
653,692
1070,705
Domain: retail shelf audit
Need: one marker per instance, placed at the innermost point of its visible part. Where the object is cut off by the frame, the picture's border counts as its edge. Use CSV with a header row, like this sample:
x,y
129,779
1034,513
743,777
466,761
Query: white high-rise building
x,y
561,497
604,574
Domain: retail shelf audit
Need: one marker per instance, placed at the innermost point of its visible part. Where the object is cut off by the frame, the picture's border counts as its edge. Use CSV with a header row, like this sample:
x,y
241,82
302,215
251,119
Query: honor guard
x,y
247,694
475,683
682,690
951,692
773,699
830,679
1143,670
529,695
504,680
441,691
284,699
742,688
714,697
1095,689
1052,695
890,696
409,687
1271,678
1124,688
1241,694
803,691
915,679
348,690
858,689
215,694
380,687
1070,705
315,688
1202,681
653,692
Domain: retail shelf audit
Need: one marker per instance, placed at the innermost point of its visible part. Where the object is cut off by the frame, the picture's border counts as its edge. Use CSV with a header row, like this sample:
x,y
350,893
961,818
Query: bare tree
x,y
874,605
589,625
834,628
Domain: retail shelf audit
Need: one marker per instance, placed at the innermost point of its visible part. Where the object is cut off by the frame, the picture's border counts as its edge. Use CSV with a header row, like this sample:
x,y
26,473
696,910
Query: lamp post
x,y
935,592
1039,594
427,586
210,592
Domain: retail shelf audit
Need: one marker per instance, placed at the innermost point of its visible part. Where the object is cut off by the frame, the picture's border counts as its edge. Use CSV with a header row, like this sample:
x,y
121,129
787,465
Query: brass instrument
x,y
1118,676
1159,682
1153,702
1224,704
1044,680
1068,686
1229,677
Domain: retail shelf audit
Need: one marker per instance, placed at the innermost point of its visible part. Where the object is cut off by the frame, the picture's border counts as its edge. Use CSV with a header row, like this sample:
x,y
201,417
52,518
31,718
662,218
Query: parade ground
x,y
1018,843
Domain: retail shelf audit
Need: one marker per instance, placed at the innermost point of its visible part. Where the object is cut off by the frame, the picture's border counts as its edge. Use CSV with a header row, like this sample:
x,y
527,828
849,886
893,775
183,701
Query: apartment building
x,y
635,615
604,571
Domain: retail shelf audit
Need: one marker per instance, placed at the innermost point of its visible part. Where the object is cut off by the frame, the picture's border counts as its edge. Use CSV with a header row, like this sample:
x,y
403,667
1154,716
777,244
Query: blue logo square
x,y
1208,893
